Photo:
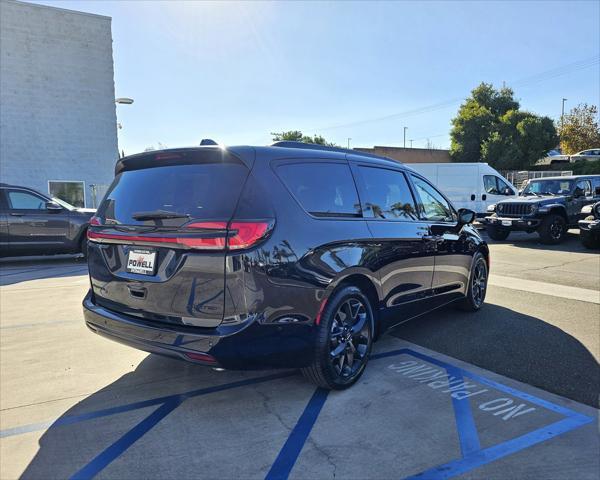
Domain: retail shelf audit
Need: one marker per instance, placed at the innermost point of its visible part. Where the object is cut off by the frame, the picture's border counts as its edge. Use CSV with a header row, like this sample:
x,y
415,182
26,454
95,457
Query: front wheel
x,y
589,239
478,282
344,340
553,229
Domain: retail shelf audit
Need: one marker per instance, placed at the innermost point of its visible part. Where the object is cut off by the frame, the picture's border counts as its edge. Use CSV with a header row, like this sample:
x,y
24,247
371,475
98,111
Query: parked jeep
x,y
549,206
589,227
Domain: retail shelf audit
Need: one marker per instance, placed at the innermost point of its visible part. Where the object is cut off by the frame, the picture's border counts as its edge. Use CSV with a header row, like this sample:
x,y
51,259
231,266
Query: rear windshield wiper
x,y
158,215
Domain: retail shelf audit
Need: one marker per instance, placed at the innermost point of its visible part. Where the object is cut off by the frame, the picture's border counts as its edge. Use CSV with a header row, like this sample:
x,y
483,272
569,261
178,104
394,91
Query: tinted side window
x,y
585,186
433,205
596,185
387,194
19,200
323,189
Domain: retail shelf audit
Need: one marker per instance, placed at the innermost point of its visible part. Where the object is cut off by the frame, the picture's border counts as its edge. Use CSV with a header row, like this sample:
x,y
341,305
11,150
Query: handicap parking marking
x,y
472,396
472,454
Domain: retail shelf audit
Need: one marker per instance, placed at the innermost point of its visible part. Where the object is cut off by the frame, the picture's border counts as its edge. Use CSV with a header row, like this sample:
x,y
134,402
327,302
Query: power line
x,y
545,75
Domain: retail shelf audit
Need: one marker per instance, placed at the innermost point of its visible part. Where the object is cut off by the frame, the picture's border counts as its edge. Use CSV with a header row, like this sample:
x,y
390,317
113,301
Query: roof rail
x,y
314,146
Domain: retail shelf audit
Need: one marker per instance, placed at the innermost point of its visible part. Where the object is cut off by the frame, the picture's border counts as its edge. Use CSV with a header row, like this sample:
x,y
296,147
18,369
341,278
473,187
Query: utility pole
x,y
562,113
410,143
349,143
405,128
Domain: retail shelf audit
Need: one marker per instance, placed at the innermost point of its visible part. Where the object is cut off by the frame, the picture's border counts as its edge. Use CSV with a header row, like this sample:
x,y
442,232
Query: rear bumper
x,y
516,224
250,345
590,225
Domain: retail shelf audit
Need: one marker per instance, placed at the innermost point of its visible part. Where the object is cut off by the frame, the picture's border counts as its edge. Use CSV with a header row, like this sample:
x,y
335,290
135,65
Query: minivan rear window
x,y
323,189
200,191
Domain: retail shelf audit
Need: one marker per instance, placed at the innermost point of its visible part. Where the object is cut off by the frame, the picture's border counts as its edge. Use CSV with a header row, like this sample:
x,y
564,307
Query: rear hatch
x,y
159,240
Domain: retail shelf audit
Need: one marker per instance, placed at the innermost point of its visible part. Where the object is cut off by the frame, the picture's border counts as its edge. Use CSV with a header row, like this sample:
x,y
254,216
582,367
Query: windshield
x,y
63,204
548,187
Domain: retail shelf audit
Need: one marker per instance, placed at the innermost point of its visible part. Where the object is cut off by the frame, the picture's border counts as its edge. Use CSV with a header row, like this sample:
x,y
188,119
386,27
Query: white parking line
x,y
553,289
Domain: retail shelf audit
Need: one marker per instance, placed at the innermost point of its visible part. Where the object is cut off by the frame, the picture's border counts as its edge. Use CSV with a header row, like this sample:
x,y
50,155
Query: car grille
x,y
514,209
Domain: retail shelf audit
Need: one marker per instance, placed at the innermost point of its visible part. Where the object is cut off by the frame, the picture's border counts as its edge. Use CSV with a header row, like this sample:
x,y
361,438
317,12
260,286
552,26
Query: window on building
x,y
323,189
19,200
72,192
387,194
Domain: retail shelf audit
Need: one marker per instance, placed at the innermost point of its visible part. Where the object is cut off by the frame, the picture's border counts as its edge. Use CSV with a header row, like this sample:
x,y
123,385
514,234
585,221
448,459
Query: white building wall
x,y
57,110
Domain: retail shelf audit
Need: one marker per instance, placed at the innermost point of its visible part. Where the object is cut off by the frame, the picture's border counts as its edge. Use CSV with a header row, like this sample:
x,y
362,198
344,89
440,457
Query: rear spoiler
x,y
184,156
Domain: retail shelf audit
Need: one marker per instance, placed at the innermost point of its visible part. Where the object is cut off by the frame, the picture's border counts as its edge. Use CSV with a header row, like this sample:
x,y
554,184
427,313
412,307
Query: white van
x,y
467,185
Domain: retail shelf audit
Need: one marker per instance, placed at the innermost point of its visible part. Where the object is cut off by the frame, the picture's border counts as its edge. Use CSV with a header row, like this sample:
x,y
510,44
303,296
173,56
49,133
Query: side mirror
x,y
508,191
465,216
53,206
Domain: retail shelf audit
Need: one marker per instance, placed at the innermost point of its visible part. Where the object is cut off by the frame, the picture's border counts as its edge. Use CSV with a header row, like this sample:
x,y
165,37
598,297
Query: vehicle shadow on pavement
x,y
17,271
512,344
571,243
216,413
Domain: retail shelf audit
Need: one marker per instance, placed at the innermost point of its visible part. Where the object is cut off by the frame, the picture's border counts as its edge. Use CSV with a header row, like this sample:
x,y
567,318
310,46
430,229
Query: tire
x,y
83,246
588,239
335,335
478,281
553,229
496,233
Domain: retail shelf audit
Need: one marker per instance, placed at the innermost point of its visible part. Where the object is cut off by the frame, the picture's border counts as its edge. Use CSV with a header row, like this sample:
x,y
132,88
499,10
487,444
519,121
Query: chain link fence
x,y
519,177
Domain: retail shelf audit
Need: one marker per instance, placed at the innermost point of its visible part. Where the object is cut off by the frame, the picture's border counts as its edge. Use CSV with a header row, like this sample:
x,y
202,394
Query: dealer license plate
x,y
507,223
141,261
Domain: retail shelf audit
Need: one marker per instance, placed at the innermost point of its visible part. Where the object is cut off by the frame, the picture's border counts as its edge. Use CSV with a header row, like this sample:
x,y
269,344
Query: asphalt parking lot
x,y
508,392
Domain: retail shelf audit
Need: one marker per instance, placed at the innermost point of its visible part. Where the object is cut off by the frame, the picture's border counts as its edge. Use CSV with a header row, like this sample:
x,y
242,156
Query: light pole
x,y
405,129
410,143
562,113
122,101
349,143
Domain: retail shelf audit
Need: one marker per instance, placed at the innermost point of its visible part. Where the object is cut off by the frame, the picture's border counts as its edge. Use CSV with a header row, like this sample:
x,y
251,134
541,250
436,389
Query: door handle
x,y
15,214
484,196
473,196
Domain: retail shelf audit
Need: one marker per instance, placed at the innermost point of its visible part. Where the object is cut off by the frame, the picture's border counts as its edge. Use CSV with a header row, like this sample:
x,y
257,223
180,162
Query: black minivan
x,y
293,255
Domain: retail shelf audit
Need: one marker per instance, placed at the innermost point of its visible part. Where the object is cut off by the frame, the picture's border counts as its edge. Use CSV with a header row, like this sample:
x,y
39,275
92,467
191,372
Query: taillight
x,y
95,221
209,236
246,234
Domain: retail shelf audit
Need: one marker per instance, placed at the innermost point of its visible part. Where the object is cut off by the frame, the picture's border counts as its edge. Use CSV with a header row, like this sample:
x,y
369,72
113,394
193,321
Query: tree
x,y
580,129
489,127
297,136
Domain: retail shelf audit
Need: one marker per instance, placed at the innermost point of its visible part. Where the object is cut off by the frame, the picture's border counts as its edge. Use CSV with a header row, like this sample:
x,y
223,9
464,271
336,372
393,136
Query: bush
x,y
585,167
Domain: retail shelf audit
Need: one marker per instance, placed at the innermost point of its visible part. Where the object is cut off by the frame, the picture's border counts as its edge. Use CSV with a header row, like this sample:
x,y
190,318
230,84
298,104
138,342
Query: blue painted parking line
x,y
293,446
72,419
472,455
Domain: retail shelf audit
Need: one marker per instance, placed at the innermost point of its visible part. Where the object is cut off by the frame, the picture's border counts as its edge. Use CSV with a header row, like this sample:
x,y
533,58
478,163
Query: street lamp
x,y
562,113
122,101
349,143
405,129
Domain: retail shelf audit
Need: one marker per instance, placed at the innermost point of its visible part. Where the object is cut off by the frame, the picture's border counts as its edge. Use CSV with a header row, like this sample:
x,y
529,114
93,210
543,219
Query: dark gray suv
x,y
32,223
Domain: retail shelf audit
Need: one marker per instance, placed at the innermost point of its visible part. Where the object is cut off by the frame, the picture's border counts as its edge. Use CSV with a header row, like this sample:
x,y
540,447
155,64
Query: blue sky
x,y
236,71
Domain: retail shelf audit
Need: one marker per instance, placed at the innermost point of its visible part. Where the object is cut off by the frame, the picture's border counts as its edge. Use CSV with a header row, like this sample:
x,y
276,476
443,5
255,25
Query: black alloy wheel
x,y
479,282
344,340
350,338
553,229
477,287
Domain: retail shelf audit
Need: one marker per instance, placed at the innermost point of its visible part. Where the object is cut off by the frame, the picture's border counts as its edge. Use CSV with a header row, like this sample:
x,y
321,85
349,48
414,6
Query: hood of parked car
x,y
88,212
540,200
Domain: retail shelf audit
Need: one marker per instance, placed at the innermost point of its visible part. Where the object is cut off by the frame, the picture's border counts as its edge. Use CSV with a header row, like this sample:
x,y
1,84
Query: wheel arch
x,y
369,289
